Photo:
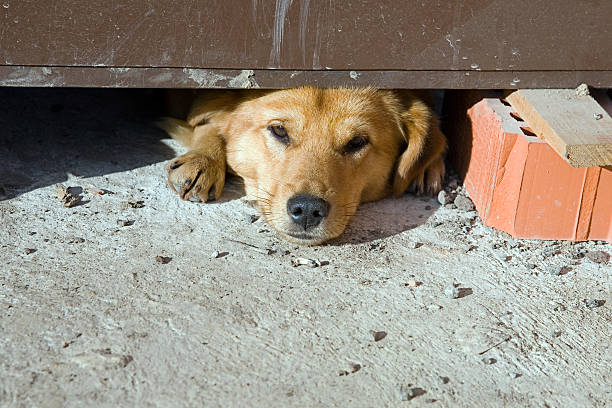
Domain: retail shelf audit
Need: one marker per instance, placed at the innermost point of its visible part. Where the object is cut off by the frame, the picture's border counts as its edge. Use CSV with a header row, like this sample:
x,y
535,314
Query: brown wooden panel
x,y
271,79
487,35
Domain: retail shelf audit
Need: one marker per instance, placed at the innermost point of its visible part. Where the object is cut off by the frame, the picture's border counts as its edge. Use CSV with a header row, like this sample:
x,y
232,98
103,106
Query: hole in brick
x,y
527,131
516,116
505,102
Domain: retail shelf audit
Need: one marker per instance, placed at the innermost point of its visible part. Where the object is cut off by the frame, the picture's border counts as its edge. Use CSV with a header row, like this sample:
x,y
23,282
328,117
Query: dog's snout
x,y
307,211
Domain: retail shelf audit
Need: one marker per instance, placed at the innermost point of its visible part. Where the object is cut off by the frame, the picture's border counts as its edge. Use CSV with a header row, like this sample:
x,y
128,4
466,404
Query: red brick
x,y
520,185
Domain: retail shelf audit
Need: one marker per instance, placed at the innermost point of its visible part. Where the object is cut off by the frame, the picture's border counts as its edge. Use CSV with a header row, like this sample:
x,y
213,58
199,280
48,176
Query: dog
x,y
308,156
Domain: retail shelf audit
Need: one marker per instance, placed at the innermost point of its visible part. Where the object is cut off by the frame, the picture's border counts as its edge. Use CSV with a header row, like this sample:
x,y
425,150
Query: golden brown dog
x,y
308,156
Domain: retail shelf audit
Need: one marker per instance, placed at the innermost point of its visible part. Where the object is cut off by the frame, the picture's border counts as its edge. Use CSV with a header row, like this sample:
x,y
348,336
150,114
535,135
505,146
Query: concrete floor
x,y
92,315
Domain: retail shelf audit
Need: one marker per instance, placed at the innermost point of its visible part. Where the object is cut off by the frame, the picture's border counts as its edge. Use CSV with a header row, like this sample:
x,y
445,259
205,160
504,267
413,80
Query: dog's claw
x,y
197,178
212,193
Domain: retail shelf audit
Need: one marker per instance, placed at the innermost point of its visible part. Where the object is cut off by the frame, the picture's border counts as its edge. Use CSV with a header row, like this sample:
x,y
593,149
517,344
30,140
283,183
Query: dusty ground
x,y
118,301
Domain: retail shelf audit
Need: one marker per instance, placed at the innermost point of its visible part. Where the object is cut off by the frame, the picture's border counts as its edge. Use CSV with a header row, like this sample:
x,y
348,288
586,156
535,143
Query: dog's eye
x,y
280,133
355,144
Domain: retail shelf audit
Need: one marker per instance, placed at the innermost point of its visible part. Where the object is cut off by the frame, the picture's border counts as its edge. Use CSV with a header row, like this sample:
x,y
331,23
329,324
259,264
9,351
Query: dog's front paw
x,y
196,176
429,181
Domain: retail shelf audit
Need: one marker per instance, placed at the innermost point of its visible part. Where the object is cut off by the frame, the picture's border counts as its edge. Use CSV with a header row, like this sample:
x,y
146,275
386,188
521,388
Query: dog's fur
x,y
344,146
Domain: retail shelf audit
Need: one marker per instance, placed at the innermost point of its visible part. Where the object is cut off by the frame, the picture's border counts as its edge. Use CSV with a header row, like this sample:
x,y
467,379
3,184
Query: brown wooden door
x,y
278,43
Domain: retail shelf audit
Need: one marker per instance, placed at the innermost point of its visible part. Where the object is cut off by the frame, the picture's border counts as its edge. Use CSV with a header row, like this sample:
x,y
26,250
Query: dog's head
x,y
309,156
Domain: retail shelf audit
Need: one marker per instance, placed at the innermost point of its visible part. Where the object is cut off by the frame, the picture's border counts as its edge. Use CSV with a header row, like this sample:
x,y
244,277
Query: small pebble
x,y
124,223
443,380
489,360
463,203
582,90
451,292
65,194
444,198
414,245
313,263
412,283
407,393
95,191
163,259
132,204
593,303
217,254
379,335
251,218
29,251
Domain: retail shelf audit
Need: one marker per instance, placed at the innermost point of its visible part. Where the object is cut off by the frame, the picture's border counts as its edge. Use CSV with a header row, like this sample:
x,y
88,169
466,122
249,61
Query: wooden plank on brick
x,y
572,122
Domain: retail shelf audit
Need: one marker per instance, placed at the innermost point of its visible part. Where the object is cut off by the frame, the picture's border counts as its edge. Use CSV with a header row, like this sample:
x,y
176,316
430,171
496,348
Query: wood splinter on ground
x,y
570,120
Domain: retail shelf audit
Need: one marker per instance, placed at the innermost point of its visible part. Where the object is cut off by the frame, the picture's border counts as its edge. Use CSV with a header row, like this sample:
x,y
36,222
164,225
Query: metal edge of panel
x,y
152,77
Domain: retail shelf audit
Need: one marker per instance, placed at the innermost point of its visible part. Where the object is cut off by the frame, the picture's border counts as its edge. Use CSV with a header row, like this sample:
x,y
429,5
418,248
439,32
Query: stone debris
x,y
67,197
582,90
443,380
252,218
218,254
163,259
407,392
312,263
593,303
451,291
96,191
132,204
414,244
444,198
463,203
379,335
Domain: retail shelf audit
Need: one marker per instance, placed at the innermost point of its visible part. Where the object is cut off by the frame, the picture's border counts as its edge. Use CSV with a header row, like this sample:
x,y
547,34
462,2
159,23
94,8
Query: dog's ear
x,y
421,165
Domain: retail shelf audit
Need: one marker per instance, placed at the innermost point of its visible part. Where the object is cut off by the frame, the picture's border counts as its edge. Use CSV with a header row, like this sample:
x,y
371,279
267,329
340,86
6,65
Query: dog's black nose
x,y
307,211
